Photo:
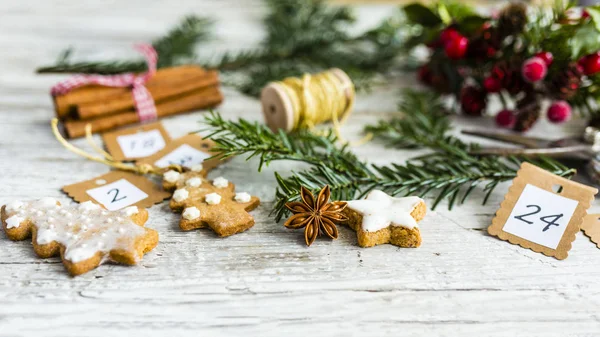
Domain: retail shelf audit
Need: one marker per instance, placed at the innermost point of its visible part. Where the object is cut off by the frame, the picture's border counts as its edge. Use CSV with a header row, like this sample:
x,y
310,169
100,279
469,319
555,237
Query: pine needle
x,y
449,173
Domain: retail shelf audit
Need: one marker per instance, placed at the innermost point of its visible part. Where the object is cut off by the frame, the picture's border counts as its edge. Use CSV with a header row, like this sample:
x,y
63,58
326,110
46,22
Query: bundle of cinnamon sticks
x,y
174,90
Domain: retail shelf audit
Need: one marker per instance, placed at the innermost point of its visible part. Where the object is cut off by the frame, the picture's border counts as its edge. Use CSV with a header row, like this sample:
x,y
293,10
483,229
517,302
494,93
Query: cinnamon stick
x,y
200,99
125,100
64,104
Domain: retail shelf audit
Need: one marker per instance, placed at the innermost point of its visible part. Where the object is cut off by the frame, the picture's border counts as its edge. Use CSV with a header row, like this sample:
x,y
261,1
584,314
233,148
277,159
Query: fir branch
x,y
310,36
175,47
450,173
302,36
257,140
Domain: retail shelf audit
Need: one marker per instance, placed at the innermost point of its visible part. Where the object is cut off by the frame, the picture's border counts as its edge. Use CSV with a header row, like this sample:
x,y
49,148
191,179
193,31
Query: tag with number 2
x,y
542,211
117,190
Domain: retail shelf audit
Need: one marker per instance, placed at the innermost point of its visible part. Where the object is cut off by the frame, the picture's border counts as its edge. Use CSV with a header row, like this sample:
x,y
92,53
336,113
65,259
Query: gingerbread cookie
x,y
84,235
213,204
380,218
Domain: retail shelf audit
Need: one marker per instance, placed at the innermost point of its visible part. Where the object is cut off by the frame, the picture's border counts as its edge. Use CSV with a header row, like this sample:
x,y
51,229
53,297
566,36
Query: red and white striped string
x,y
144,103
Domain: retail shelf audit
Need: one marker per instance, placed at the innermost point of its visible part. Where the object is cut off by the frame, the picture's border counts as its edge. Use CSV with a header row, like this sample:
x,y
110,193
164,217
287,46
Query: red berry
x,y
590,63
457,47
534,69
546,56
506,119
473,101
492,84
585,14
559,111
448,35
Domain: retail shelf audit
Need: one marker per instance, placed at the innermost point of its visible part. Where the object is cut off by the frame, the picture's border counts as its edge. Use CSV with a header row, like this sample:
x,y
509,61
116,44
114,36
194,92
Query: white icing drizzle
x,y
14,221
380,210
193,182
212,199
197,168
220,182
88,206
242,197
191,213
129,211
47,202
81,229
180,195
171,176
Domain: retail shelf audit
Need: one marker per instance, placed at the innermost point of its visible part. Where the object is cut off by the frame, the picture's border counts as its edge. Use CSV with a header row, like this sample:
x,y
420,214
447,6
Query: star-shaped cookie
x,y
213,204
380,218
84,235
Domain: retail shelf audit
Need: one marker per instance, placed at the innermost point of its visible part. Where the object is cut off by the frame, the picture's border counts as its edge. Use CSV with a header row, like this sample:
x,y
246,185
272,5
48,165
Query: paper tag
x,y
186,151
591,228
184,155
542,211
118,189
117,195
137,142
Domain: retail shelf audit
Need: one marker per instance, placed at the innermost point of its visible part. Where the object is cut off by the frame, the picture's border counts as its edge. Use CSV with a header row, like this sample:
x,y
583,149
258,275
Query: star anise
x,y
317,216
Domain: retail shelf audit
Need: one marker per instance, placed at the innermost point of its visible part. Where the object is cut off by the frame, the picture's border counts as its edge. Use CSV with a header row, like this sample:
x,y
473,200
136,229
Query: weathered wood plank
x,y
264,281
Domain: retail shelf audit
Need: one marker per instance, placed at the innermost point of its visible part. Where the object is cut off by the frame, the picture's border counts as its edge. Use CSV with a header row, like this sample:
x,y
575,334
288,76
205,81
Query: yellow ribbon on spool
x,y
305,102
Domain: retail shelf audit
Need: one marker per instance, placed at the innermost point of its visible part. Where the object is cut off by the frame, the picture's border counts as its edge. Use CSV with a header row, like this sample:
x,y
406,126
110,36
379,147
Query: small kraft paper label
x,y
542,211
591,228
186,151
118,189
136,142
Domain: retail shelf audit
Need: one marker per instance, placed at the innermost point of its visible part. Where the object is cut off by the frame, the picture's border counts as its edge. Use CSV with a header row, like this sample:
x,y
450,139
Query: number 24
x,y
543,218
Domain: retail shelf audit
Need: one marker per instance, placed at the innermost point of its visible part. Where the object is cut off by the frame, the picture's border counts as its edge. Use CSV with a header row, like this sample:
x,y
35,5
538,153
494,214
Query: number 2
x,y
115,199
520,217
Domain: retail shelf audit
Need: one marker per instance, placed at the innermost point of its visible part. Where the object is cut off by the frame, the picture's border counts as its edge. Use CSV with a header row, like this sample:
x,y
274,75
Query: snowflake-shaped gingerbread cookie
x,y
213,204
380,218
84,235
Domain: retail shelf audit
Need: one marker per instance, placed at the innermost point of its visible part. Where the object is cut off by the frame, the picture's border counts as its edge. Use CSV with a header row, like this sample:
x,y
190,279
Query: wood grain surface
x,y
265,282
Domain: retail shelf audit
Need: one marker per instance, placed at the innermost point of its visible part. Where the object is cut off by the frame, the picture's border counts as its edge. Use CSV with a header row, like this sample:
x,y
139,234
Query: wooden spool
x,y
277,105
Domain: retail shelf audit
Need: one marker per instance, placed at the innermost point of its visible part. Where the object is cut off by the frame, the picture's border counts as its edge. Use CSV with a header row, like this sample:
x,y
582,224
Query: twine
x,y
105,157
320,98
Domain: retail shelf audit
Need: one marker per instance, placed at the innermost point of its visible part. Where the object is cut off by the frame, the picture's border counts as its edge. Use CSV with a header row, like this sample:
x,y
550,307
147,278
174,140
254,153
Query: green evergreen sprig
x,y
176,47
450,172
302,36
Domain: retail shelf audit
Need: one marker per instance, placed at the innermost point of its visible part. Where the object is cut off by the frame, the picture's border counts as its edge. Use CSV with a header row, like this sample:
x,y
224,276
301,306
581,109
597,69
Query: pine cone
x,y
528,112
564,85
512,19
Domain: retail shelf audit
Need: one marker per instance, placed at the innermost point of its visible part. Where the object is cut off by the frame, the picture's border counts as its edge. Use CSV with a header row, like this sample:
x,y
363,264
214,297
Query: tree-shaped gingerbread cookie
x,y
84,235
213,204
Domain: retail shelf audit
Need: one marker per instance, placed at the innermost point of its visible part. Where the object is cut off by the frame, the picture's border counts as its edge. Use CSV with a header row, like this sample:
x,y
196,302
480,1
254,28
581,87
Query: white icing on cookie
x,y
180,195
81,229
14,221
171,176
193,182
13,206
242,197
380,210
197,168
47,202
191,213
88,206
212,199
220,182
129,211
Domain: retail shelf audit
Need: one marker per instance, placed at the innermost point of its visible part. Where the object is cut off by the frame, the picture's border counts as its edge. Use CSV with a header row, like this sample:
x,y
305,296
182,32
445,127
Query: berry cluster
x,y
500,57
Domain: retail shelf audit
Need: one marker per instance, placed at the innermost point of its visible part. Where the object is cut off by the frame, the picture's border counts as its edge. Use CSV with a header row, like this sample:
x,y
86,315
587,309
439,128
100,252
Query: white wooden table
x,y
264,282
